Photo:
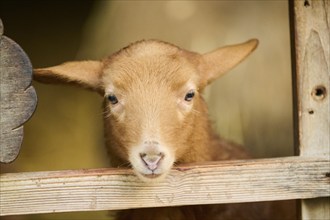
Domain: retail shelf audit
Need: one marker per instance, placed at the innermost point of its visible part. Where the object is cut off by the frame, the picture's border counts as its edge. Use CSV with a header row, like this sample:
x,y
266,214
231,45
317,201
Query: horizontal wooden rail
x,y
113,189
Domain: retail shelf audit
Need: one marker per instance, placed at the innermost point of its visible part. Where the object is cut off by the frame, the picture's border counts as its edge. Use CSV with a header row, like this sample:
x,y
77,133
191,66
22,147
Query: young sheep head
x,y
154,111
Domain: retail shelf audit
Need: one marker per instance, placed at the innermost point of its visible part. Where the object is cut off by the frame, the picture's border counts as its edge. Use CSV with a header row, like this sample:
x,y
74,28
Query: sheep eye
x,y
112,99
189,96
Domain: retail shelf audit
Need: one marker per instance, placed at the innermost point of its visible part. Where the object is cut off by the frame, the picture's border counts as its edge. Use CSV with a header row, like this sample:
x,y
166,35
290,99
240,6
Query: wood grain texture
x,y
312,49
17,97
1,28
113,189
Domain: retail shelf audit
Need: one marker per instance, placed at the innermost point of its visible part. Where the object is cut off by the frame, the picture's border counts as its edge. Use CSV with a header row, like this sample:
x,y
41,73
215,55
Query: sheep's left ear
x,y
86,74
216,63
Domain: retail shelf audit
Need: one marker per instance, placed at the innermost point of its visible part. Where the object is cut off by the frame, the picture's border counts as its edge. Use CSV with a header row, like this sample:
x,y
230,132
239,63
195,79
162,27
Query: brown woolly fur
x,y
156,117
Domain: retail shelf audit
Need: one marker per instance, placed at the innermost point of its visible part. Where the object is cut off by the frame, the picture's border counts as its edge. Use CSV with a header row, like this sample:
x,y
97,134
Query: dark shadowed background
x,y
251,105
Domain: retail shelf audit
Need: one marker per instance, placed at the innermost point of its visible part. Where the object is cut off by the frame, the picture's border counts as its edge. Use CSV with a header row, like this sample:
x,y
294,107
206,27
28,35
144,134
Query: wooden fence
x,y
305,176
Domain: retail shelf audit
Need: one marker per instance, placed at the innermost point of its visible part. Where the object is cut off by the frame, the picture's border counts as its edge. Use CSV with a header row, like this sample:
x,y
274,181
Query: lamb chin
x,y
151,178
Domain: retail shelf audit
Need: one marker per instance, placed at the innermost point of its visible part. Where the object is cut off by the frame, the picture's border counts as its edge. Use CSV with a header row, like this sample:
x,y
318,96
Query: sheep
x,y
156,116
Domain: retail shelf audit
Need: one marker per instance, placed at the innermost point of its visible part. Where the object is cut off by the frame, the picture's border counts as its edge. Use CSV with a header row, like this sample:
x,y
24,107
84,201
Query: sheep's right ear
x,y
85,74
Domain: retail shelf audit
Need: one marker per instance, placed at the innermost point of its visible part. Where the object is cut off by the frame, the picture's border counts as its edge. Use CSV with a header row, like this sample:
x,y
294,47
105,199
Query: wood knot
x,y
319,93
306,3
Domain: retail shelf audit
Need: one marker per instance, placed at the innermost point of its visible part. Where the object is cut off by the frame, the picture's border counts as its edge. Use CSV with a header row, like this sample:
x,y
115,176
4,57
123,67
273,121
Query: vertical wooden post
x,y
18,98
310,21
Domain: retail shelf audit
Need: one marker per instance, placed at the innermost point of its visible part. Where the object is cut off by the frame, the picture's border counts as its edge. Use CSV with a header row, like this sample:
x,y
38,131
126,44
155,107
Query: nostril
x,y
151,161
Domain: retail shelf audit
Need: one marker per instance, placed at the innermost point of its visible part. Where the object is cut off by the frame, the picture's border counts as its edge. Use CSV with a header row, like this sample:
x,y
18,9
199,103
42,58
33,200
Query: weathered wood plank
x,y
312,49
17,97
1,28
112,189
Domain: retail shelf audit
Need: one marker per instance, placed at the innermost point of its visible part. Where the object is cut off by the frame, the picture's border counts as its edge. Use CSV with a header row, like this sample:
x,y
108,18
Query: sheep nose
x,y
151,161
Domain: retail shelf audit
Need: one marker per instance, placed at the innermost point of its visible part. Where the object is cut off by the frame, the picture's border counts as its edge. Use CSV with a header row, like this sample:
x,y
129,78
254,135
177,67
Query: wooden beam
x,y
113,189
312,83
